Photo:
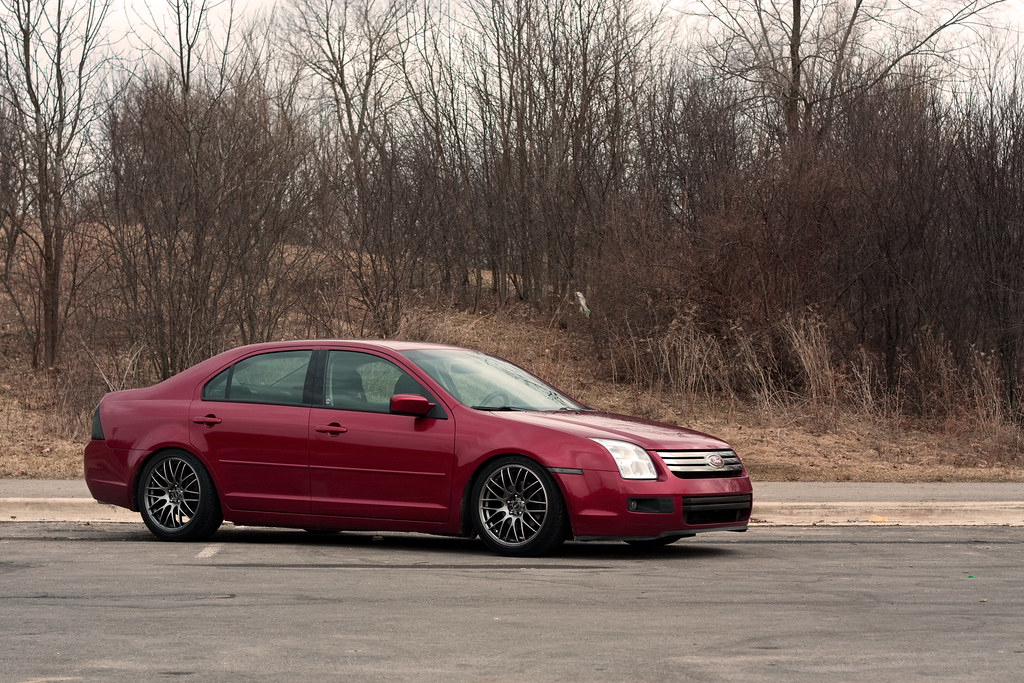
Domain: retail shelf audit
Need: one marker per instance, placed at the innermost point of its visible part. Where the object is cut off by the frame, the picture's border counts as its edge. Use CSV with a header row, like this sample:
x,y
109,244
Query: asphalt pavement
x,y
107,602
775,504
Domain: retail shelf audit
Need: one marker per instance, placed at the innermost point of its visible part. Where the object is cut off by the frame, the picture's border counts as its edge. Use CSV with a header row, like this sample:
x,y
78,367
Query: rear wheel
x,y
177,498
517,508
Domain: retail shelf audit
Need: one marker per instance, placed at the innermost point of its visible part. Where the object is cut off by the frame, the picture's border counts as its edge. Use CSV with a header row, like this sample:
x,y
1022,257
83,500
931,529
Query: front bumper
x,y
603,505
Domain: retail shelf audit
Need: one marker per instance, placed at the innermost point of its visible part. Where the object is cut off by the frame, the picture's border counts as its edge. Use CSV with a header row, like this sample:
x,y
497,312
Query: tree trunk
x,y
793,96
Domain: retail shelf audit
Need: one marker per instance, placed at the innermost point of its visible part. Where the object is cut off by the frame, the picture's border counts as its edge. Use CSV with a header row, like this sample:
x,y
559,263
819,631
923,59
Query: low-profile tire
x,y
177,498
517,508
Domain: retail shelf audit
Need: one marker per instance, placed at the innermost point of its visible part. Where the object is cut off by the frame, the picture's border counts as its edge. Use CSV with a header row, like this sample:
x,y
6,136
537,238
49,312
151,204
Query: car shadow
x,y
452,546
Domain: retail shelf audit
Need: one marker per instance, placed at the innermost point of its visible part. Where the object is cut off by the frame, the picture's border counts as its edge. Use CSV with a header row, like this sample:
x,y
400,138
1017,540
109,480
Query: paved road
x,y
106,602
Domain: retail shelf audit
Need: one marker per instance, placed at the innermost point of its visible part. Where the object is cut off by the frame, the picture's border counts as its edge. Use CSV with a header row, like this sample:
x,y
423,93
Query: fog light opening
x,y
652,505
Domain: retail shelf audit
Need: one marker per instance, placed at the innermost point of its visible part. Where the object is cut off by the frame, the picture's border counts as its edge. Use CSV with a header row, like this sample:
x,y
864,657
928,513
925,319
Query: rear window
x,y
278,377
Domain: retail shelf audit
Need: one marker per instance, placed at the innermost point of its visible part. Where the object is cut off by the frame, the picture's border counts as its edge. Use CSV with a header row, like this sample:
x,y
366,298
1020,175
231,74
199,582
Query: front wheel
x,y
517,508
177,498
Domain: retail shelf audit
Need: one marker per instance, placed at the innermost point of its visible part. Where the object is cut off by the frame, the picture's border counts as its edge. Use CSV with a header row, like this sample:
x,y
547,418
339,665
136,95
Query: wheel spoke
x,y
157,480
531,522
493,518
495,490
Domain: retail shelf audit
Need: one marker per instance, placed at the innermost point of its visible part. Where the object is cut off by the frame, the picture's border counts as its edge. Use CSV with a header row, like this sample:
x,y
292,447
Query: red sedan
x,y
400,436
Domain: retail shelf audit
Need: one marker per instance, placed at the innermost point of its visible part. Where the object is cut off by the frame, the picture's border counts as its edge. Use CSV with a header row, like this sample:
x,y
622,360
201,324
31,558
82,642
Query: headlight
x,y
633,461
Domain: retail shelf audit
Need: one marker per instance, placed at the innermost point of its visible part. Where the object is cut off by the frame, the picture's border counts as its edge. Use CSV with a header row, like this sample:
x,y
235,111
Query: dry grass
x,y
30,446
43,424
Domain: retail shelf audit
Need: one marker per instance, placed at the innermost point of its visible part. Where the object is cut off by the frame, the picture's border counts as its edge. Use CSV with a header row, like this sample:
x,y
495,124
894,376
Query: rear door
x,y
365,461
252,423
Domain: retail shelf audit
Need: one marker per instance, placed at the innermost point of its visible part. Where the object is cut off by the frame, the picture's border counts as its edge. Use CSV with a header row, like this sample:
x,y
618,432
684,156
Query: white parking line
x,y
208,551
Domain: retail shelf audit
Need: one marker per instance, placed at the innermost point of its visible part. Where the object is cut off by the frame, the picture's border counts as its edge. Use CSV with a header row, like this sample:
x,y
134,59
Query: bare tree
x,y
816,171
803,57
442,166
551,88
48,69
14,191
370,216
206,199
984,304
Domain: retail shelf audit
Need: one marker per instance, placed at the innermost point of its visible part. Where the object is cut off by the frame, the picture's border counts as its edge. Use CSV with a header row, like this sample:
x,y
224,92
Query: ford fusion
x,y
399,436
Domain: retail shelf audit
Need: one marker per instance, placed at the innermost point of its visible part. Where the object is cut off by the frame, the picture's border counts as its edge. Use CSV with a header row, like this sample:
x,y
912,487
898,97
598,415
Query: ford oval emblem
x,y
715,461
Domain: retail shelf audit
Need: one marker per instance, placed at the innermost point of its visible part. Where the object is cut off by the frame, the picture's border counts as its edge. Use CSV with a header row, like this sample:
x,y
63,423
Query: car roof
x,y
192,374
387,344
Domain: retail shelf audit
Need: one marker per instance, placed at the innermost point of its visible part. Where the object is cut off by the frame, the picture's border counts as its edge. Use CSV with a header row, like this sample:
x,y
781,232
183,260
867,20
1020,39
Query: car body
x,y
402,436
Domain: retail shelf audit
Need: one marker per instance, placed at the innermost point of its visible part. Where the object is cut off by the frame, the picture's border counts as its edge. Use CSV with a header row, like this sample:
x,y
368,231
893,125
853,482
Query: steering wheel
x,y
495,395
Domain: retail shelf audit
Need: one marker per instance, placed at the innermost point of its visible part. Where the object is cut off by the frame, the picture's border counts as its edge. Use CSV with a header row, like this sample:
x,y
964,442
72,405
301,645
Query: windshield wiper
x,y
496,408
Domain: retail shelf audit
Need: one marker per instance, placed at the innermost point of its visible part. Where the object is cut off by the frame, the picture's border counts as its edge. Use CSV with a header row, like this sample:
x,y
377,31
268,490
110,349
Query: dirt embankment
x,y
42,436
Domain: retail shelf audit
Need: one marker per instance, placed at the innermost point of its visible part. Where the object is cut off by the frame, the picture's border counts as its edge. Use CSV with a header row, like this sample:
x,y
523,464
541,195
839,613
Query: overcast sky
x,y
149,20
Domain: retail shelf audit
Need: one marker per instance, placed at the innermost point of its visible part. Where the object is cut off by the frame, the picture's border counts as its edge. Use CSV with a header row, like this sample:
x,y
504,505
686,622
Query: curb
x,y
1000,513
63,510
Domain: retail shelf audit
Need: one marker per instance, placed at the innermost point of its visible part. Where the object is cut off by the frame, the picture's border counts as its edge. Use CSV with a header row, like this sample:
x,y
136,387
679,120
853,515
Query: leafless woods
x,y
762,199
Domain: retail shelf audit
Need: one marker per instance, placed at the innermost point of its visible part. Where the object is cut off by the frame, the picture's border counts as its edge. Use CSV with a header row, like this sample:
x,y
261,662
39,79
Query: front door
x,y
365,461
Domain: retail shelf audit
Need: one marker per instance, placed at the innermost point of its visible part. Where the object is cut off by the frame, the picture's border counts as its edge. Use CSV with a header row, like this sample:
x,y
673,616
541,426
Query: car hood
x,y
644,433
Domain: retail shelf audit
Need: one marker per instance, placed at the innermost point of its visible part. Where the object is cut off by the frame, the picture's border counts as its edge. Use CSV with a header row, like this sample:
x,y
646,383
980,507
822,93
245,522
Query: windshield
x,y
484,382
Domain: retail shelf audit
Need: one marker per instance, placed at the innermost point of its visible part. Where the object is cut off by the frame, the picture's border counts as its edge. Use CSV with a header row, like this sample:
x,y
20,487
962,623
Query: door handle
x,y
333,429
208,420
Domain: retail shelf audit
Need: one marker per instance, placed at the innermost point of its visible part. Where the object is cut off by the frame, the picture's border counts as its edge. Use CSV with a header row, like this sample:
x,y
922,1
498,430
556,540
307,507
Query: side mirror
x,y
410,404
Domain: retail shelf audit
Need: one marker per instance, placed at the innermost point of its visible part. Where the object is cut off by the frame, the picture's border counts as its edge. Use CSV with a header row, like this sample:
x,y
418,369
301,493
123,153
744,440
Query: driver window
x,y
362,381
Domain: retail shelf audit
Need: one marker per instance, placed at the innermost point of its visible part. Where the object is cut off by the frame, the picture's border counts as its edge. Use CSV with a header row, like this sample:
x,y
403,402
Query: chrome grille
x,y
695,464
